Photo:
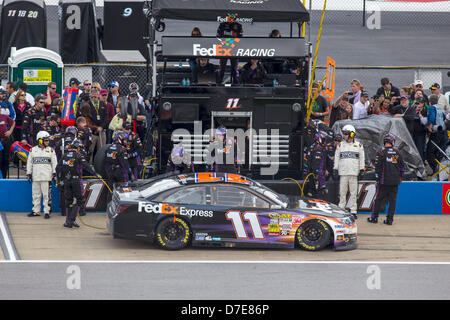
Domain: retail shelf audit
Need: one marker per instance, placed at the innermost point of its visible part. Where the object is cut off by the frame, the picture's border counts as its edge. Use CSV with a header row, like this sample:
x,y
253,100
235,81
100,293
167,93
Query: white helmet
x,y
350,129
41,136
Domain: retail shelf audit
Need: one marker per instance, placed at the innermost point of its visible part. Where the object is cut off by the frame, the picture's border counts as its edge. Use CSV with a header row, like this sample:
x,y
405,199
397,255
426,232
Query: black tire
x,y
313,235
99,161
173,234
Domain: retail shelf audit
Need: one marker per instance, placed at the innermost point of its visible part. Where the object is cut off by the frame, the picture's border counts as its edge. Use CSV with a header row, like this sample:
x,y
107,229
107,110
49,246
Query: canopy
x,y
245,11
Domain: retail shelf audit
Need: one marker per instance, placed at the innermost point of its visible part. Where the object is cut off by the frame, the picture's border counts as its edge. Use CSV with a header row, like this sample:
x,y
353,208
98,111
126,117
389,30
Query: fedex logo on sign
x,y
216,50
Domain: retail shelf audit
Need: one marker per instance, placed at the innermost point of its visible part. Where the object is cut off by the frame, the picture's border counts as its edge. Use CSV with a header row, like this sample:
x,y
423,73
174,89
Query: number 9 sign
x,y
127,12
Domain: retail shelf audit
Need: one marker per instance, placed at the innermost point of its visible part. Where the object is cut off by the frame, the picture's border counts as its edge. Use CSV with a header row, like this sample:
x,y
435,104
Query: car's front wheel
x,y
313,235
173,234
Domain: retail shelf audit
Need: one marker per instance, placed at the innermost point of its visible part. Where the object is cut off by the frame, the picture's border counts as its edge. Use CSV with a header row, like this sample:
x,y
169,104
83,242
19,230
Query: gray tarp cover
x,y
370,132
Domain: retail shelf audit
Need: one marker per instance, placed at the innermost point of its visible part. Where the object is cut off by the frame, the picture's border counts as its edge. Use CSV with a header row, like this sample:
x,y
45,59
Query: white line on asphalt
x,y
8,244
234,262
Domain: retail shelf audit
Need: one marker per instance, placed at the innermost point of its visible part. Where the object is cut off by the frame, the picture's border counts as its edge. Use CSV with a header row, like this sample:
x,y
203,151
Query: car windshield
x,y
260,188
158,186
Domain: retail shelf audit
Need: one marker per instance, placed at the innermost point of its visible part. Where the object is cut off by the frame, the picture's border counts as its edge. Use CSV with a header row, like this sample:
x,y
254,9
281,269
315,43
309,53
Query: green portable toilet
x,y
36,67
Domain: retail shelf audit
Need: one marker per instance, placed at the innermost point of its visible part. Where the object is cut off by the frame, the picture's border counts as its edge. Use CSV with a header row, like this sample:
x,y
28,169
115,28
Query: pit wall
x,y
413,197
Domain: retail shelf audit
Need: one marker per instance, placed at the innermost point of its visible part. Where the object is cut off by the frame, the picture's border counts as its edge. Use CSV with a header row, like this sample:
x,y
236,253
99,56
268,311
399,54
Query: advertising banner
x,y
212,47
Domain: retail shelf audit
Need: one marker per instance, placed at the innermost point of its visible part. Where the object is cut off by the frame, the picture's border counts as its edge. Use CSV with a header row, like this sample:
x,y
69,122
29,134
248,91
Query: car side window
x,y
236,197
193,195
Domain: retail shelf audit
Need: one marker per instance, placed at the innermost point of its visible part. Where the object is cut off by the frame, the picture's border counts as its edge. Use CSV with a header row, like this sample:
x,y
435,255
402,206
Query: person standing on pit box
x,y
41,170
389,169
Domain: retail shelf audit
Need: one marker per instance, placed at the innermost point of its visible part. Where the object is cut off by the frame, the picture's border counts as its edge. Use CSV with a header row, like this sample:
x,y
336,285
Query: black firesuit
x,y
116,164
85,136
72,164
34,120
317,164
134,154
389,170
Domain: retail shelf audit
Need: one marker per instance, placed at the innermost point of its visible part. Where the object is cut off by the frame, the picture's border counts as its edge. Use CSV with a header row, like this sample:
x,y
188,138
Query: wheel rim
x,y
312,233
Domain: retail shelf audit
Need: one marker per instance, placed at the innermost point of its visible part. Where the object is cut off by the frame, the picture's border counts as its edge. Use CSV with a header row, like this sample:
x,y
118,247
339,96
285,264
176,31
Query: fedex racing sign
x,y
220,51
232,47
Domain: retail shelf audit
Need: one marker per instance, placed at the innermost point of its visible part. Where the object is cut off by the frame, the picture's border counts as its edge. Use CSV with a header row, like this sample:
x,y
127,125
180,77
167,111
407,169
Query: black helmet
x,y
75,144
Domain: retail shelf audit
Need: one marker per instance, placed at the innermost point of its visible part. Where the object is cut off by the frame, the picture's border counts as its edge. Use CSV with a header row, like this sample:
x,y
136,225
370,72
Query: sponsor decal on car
x,y
164,208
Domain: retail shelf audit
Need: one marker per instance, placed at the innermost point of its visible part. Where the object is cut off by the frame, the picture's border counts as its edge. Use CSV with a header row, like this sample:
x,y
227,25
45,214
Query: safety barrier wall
x,y
413,197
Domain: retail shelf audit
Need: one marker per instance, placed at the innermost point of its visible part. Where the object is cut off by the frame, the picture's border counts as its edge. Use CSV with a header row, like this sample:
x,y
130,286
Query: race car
x,y
225,210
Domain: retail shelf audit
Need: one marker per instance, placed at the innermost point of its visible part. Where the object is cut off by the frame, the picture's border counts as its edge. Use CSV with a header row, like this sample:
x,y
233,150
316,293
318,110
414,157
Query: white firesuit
x,y
349,161
41,164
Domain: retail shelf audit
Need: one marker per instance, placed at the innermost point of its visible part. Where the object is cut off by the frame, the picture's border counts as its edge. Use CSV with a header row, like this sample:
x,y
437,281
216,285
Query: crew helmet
x,y
389,139
41,136
350,130
121,137
72,130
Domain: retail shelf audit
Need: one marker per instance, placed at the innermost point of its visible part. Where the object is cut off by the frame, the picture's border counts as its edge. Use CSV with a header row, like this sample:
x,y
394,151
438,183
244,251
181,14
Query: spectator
x,y
418,85
340,110
384,107
6,130
204,72
229,29
141,114
21,107
51,98
253,72
319,108
443,103
360,108
418,94
24,88
275,65
387,89
355,92
97,86
375,105
113,96
436,128
11,89
192,61
75,84
34,121
405,111
99,119
134,88
6,107
116,123
419,127
111,112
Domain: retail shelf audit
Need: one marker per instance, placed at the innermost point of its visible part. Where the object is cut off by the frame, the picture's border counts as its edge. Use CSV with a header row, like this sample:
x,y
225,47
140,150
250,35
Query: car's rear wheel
x,y
313,235
173,234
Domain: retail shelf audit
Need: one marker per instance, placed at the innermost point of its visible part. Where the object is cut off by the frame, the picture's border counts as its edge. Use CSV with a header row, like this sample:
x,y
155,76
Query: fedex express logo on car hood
x,y
225,48
165,208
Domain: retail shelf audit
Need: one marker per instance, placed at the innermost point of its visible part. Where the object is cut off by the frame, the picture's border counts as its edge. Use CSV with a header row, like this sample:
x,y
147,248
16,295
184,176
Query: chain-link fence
x,y
370,77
